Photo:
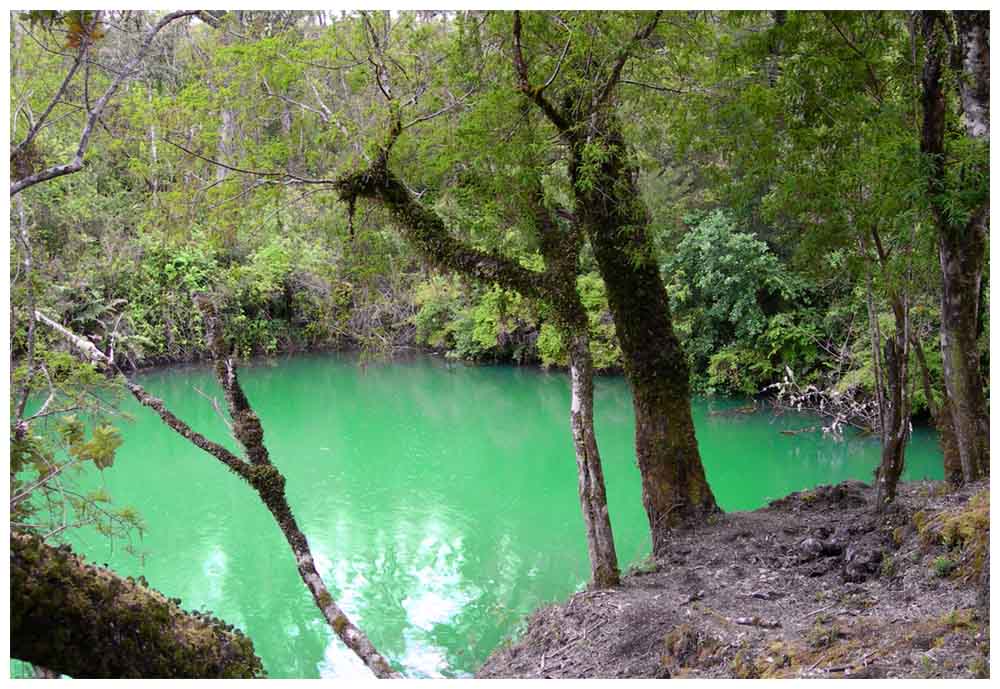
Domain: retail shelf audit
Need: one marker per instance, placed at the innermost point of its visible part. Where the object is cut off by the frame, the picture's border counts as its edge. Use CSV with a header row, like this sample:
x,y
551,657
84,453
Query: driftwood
x,y
257,470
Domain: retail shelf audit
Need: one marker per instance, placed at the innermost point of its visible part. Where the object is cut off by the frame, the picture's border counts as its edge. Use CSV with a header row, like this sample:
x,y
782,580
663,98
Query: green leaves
x,y
100,449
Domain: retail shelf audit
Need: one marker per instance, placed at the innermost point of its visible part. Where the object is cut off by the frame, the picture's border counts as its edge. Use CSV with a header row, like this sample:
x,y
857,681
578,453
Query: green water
x,y
440,501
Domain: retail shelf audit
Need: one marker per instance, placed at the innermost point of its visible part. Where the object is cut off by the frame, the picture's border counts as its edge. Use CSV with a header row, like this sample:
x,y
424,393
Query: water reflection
x,y
440,504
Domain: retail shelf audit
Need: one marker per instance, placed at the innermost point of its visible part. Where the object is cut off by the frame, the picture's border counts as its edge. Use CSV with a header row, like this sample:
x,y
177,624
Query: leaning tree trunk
x,y
82,620
674,488
265,478
961,247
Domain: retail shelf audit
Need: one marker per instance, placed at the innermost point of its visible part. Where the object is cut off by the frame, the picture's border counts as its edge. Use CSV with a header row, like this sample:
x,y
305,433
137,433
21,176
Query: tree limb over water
x,y
258,471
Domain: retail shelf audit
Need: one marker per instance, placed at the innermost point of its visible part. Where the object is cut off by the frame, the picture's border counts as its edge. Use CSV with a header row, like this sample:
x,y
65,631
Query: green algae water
x,y
439,500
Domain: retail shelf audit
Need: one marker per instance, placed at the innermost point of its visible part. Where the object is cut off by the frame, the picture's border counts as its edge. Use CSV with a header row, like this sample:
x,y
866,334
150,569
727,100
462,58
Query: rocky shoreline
x,y
813,585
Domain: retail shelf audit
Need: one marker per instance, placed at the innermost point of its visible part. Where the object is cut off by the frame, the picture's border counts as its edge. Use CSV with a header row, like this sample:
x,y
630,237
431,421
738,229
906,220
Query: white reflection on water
x,y
434,595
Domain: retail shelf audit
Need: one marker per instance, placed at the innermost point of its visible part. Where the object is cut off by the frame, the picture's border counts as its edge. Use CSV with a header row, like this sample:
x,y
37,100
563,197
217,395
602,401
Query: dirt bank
x,y
813,585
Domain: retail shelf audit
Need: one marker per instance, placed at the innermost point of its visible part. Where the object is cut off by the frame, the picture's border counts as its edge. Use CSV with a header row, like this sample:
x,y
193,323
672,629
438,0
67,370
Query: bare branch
x,y
257,173
36,127
442,111
77,163
96,356
285,99
215,405
555,72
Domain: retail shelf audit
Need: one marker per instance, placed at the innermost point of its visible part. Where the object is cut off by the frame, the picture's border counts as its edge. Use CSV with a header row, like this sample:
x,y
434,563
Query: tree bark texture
x,y
961,246
86,621
593,499
674,487
973,59
895,419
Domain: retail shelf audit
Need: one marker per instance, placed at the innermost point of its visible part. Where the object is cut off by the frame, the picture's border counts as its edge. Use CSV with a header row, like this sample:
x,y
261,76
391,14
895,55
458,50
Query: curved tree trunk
x,y
85,621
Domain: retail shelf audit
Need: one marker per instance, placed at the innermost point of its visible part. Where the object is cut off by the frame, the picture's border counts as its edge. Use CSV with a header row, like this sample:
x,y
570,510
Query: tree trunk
x,y
961,247
895,419
593,500
85,621
941,419
962,259
973,58
227,128
674,488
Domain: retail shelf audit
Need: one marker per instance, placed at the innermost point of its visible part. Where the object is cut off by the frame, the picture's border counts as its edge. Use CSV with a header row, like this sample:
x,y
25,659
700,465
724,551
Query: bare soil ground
x,y
813,585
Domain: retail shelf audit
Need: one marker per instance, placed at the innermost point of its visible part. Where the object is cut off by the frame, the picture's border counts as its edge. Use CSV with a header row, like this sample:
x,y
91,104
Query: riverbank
x,y
813,585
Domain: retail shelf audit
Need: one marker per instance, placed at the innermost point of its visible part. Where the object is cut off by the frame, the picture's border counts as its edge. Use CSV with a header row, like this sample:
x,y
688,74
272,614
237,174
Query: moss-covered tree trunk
x,y
674,487
610,210
86,621
962,257
961,245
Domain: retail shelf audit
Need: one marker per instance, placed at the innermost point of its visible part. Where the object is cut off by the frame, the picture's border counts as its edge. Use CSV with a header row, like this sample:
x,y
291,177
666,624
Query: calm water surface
x,y
439,500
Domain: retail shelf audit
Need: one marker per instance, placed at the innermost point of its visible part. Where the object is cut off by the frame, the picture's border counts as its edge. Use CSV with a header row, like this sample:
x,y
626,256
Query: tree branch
x,y
427,231
257,173
37,126
77,163
97,357
259,472
532,92
269,483
640,35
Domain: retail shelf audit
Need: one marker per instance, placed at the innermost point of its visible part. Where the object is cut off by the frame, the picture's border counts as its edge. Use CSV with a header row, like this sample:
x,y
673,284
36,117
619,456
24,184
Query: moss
x,y
63,613
744,666
821,636
980,667
268,481
964,530
324,599
684,647
339,624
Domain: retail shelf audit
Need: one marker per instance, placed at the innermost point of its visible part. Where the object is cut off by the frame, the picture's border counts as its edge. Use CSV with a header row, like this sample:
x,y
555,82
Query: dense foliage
x,y
771,148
